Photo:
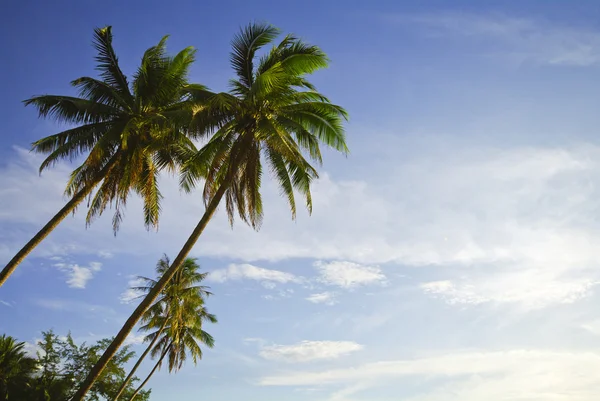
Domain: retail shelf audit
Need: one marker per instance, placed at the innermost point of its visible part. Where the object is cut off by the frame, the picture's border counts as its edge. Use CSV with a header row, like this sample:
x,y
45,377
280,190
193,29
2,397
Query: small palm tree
x,y
16,368
272,112
181,295
178,335
128,133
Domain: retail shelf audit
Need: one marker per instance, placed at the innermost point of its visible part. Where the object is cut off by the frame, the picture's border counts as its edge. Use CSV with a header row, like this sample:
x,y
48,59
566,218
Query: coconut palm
x,y
182,292
178,334
16,368
128,133
271,113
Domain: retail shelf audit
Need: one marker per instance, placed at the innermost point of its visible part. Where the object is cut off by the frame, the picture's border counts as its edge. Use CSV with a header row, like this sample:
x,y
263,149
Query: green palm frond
x,y
244,47
147,129
108,63
272,113
176,319
72,110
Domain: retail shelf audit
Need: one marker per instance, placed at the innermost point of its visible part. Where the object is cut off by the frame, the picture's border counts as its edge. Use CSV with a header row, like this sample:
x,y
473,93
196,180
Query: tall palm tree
x,y
16,368
128,132
182,292
179,334
272,111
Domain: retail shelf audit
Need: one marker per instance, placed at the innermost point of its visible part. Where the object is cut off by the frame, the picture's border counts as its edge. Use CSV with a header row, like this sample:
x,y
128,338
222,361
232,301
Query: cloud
x,y
251,272
306,351
475,211
69,305
592,327
530,375
348,275
520,39
326,297
105,254
78,276
134,339
528,288
2,302
130,294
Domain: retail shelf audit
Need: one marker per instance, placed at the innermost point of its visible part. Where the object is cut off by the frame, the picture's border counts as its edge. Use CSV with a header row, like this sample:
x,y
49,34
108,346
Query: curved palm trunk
x,y
137,390
138,363
51,225
151,297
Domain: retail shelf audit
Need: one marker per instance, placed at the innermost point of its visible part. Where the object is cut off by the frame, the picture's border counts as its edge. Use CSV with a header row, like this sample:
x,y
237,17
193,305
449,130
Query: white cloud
x,y
348,274
520,39
32,349
83,308
592,326
306,351
326,297
5,303
134,339
131,294
78,276
501,210
251,272
528,288
105,254
528,375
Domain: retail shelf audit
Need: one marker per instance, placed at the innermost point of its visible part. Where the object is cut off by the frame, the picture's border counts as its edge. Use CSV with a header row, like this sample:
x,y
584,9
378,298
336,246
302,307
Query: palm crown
x,y
128,132
272,111
175,321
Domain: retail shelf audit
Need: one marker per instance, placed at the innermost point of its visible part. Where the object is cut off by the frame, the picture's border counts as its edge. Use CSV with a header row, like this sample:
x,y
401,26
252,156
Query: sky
x,y
451,256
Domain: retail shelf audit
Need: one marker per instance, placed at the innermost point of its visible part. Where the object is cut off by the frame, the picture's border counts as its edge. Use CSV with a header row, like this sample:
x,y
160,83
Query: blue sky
x,y
452,256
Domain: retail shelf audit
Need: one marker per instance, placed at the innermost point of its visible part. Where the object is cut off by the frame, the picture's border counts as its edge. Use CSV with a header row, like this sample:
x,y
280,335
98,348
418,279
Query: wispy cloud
x,y
513,212
78,276
70,305
131,294
521,39
104,254
2,302
327,298
251,272
471,376
528,288
348,274
134,339
306,351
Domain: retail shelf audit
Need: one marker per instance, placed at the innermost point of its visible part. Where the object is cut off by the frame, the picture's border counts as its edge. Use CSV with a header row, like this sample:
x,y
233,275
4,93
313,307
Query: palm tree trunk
x,y
151,372
54,221
139,361
151,297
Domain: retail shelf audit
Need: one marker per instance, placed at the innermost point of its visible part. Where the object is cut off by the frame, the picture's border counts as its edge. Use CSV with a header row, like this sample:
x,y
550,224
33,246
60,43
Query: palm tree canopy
x,y
177,317
15,366
133,129
182,336
271,112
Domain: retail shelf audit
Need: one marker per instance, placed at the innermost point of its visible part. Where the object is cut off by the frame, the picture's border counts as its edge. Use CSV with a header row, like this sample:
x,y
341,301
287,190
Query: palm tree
x,y
182,292
128,133
178,334
16,368
272,111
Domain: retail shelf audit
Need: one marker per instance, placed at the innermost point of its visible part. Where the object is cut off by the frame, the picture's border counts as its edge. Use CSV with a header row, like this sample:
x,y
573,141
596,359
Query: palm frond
x,y
108,63
72,110
244,47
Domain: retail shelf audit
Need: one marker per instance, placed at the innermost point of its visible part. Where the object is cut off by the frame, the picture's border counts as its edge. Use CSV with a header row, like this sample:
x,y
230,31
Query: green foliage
x,y
126,133
272,113
16,369
59,367
177,317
